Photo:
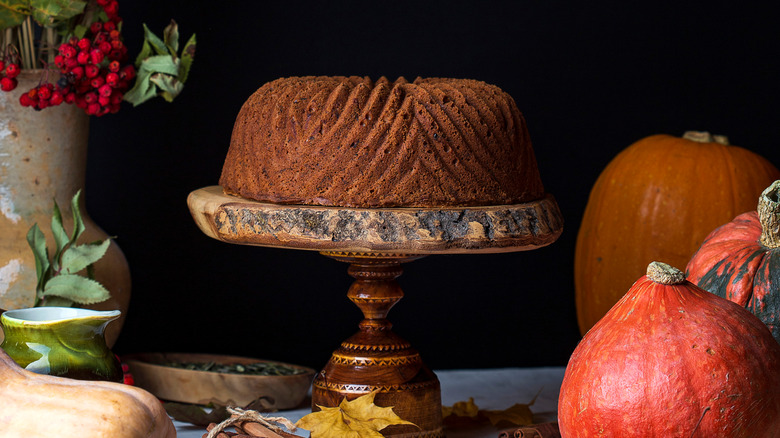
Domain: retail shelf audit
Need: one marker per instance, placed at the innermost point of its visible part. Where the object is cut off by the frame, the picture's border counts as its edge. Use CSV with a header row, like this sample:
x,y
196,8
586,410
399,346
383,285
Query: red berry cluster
x,y
94,74
9,70
111,8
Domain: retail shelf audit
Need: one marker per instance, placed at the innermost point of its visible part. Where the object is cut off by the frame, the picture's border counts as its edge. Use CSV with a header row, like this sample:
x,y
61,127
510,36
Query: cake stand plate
x,y
375,242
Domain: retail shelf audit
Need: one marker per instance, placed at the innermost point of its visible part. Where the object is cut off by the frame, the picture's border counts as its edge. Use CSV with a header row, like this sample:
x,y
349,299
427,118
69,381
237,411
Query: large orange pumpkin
x,y
657,200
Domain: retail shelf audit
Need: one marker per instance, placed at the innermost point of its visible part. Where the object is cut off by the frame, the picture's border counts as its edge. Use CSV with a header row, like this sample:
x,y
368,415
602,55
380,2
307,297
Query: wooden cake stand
x,y
375,242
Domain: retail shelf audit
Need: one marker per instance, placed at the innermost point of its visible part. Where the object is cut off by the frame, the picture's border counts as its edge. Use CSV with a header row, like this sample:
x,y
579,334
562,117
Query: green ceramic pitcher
x,y
61,341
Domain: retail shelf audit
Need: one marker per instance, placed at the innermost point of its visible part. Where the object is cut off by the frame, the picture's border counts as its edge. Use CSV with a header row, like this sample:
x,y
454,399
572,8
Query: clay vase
x,y
61,341
43,157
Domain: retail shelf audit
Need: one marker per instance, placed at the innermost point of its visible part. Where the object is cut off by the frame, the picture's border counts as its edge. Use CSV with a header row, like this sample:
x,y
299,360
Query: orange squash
x,y
672,360
740,260
657,200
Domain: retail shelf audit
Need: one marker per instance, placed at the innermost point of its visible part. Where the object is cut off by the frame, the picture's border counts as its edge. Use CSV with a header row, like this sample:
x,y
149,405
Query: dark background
x,y
590,77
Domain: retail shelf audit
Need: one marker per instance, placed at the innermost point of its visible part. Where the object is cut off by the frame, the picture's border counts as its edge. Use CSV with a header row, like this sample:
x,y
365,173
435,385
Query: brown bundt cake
x,y
347,141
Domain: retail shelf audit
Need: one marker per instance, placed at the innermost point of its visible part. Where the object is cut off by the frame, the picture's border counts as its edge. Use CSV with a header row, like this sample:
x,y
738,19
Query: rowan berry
x,y
96,56
97,81
26,100
84,44
91,70
105,47
7,84
127,72
56,98
70,63
44,92
116,97
12,70
67,50
83,57
93,108
77,73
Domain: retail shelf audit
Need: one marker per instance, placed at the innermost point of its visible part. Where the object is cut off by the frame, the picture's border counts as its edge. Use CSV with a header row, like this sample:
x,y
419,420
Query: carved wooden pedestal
x,y
375,358
375,242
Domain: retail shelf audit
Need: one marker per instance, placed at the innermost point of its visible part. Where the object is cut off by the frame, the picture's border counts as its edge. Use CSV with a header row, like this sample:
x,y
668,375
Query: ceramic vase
x,y
61,341
43,156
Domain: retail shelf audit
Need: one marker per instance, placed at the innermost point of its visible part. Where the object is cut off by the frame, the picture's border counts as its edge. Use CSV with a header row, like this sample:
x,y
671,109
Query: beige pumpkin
x,y
41,406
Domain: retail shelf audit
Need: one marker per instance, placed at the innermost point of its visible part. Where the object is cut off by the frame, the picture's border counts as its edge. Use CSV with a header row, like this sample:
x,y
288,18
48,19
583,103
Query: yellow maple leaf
x,y
461,409
359,418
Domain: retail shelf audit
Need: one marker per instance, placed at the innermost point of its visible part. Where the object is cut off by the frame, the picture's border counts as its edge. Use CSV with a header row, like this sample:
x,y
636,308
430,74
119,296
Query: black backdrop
x,y
590,78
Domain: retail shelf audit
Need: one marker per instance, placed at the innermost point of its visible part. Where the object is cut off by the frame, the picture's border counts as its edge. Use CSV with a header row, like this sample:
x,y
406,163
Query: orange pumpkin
x,y
672,360
740,260
657,200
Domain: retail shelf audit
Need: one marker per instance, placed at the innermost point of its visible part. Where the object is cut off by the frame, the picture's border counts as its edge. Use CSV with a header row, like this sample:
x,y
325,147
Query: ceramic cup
x,y
61,341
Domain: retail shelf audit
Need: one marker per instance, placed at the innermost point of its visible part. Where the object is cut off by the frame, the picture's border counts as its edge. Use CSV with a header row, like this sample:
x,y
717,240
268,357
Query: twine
x,y
239,415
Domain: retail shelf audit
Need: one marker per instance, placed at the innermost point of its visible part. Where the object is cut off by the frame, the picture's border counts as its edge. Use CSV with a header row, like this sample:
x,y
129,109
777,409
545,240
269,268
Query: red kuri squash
x,y
657,200
673,360
740,260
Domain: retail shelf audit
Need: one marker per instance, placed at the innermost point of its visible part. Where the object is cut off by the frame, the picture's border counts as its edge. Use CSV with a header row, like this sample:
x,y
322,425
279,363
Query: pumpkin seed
x,y
255,369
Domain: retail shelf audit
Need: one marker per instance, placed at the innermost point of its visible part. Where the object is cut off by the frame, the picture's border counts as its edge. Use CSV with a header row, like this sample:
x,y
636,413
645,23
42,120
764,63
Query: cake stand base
x,y
375,358
375,241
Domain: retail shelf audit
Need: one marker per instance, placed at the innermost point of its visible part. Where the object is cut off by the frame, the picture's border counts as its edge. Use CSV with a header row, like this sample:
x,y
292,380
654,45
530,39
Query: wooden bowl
x,y
257,392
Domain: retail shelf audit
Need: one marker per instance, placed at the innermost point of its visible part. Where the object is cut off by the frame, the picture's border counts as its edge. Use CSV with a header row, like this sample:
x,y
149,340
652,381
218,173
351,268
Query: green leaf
x,y
37,242
155,41
171,36
74,287
142,91
50,12
61,237
79,31
78,257
187,56
169,86
146,51
55,301
161,64
13,12
78,224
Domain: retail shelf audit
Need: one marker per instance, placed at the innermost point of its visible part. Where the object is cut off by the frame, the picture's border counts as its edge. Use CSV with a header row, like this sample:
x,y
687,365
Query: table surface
x,y
494,389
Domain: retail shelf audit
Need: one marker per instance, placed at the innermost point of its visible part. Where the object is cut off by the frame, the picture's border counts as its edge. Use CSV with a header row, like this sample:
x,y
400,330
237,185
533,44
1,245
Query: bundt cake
x,y
350,142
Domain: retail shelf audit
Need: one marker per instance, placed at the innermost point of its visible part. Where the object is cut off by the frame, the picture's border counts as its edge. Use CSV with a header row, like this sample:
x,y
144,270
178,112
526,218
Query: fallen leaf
x,y
517,415
461,409
195,414
467,412
359,418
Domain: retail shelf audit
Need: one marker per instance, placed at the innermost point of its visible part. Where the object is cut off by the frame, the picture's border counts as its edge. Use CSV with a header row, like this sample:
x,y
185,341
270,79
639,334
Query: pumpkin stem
x,y
769,215
662,273
705,137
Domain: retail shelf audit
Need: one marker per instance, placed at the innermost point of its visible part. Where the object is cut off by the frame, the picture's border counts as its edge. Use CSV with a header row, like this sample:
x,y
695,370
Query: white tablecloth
x,y
491,389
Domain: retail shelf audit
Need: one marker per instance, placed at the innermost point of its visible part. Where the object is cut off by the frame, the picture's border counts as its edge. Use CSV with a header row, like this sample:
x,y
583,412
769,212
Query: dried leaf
x,y
195,414
517,415
461,409
467,412
359,418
